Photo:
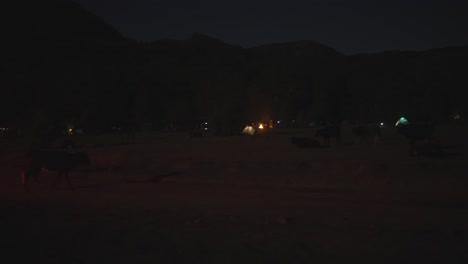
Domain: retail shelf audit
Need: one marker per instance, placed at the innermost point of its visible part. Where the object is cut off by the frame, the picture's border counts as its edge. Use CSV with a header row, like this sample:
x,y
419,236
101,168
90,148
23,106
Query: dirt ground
x,y
176,199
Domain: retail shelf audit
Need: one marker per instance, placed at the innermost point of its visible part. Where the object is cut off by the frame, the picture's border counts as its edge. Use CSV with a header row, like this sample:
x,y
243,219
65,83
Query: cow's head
x,y
82,158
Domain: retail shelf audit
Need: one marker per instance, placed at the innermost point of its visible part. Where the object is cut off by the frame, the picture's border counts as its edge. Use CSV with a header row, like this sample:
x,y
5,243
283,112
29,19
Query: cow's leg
x,y
65,174
36,173
413,151
24,179
57,179
26,174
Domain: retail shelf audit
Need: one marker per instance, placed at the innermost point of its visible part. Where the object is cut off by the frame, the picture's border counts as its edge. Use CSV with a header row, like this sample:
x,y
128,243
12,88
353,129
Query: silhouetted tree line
x,y
84,72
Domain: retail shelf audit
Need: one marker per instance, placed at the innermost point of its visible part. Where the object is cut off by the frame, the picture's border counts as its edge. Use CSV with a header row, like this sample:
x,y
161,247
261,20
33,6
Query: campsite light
x,y
270,124
70,129
248,130
260,126
402,121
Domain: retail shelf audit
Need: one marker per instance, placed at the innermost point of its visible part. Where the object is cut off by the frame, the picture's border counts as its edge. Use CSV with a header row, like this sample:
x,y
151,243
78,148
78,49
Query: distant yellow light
x,y
260,126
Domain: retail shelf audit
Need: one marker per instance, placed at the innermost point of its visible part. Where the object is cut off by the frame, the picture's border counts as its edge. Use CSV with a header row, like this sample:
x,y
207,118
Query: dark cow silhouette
x,y
434,149
417,133
366,133
196,133
305,142
328,132
68,144
61,161
430,149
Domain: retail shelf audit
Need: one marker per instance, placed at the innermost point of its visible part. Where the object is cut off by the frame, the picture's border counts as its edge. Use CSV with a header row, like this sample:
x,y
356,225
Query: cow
x,y
416,133
429,149
366,133
305,142
61,161
328,132
434,149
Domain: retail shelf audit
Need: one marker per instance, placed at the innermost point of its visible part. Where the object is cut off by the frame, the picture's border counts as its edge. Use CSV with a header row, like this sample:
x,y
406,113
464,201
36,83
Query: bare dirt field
x,y
177,199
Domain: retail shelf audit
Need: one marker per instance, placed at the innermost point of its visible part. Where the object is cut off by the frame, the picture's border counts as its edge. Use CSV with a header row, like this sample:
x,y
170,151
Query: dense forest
x,y
61,64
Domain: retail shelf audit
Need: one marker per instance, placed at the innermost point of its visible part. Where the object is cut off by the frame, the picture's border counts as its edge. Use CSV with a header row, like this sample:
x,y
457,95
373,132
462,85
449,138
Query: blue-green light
x,y
402,121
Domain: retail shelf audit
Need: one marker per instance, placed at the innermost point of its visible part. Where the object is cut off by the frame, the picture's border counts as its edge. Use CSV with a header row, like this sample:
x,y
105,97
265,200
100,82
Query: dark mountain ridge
x,y
53,21
67,65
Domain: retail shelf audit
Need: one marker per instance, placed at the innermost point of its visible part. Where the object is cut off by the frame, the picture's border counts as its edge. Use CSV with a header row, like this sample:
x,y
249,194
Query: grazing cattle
x,y
415,133
196,133
366,133
68,144
304,142
328,132
431,149
53,160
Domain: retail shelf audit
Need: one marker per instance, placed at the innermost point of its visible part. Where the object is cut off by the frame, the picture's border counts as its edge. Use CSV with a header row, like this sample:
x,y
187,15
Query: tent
x,y
248,130
402,121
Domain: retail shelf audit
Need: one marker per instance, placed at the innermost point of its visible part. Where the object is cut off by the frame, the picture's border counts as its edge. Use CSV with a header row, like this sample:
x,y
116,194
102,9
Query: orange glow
x,y
260,126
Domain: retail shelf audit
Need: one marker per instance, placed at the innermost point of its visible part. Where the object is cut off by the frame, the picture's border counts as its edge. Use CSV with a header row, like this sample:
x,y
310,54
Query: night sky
x,y
349,26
